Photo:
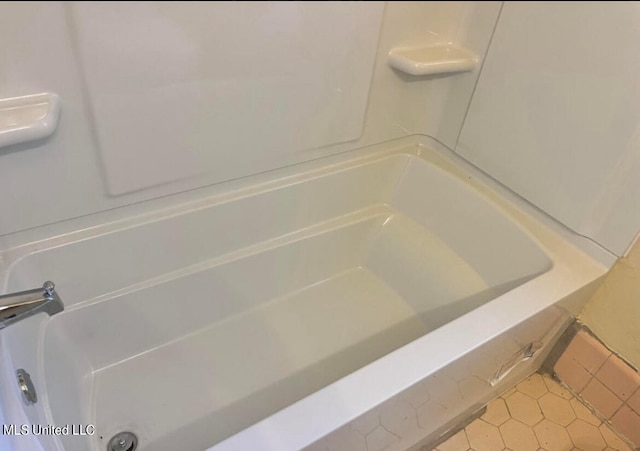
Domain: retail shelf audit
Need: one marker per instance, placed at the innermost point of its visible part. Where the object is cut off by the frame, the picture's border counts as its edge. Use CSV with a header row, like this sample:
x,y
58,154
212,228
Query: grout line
x,y
507,406
587,329
504,442
464,431
603,424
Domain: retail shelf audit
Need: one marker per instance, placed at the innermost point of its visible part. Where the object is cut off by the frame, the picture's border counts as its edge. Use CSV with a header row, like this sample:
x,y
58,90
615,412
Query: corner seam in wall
x,y
484,59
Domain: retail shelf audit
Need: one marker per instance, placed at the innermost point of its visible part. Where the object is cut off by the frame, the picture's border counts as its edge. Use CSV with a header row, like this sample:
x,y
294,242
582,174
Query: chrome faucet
x,y
20,305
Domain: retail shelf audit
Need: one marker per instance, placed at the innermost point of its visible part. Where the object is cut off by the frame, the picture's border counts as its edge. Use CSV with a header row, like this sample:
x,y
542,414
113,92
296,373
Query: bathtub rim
x,y
20,244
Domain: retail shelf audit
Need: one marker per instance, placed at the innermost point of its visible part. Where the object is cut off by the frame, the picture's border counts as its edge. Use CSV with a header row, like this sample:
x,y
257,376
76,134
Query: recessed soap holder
x,y
28,118
435,59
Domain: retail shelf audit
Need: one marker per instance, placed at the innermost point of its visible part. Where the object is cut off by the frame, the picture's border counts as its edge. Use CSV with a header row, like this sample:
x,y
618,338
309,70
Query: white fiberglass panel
x,y
203,84
556,111
75,156
200,233
467,222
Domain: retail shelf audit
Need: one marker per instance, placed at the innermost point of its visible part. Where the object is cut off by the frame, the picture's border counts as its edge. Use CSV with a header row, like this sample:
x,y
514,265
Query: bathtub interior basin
x,y
191,326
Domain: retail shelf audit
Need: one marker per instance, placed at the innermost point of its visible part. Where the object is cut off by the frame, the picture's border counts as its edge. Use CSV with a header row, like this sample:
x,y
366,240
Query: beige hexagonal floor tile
x,y
524,408
556,409
556,421
556,387
552,437
586,436
483,436
457,442
584,413
508,393
518,436
532,386
496,413
612,439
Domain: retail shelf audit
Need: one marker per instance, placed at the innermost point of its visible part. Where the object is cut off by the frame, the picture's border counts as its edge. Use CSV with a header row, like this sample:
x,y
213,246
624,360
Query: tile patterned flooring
x,y
603,380
538,414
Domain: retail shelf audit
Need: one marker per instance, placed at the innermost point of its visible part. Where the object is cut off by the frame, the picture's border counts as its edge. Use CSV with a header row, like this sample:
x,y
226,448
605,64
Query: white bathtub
x,y
271,311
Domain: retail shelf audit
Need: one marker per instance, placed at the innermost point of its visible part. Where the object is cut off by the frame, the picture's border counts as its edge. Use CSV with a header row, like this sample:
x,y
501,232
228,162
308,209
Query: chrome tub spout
x,y
17,306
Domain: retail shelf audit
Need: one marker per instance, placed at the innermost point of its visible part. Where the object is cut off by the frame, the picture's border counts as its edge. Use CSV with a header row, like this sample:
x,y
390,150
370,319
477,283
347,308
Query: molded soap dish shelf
x,y
437,59
28,118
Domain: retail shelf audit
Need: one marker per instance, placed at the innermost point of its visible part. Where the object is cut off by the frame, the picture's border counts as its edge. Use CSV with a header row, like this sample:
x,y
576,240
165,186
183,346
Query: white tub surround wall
x,y
555,114
165,97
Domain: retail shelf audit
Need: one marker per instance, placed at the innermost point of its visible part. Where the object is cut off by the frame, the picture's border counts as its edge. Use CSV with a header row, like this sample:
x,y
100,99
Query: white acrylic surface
x,y
28,118
183,90
441,59
194,338
555,115
559,292
413,418
394,108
